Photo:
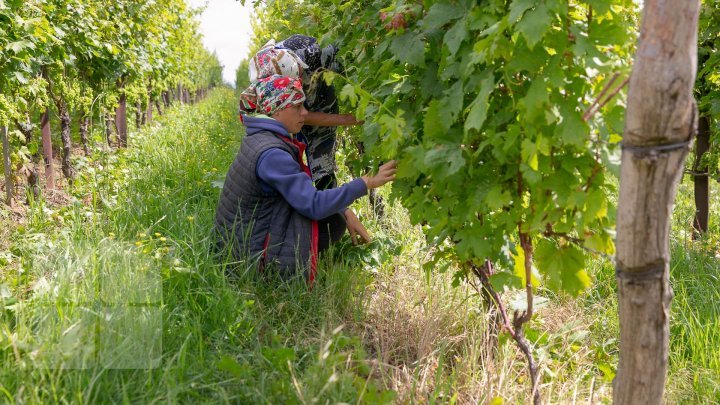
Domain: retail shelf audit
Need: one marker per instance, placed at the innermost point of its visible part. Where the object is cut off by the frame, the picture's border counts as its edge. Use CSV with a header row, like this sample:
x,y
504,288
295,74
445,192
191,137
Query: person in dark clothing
x,y
320,129
269,207
324,115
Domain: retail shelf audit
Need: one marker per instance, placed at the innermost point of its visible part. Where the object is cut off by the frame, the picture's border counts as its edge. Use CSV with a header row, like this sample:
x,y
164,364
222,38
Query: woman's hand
x,y
356,228
385,174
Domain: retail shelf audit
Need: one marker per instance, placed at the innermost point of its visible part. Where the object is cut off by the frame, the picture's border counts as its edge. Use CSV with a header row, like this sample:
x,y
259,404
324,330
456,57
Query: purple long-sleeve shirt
x,y
279,172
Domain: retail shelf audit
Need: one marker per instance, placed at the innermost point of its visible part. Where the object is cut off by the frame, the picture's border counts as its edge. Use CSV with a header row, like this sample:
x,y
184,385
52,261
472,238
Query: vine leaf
x,y
535,100
534,24
348,93
517,8
502,279
478,108
519,268
529,153
455,36
596,205
600,242
573,130
497,198
452,103
441,14
409,48
433,124
447,158
18,46
564,266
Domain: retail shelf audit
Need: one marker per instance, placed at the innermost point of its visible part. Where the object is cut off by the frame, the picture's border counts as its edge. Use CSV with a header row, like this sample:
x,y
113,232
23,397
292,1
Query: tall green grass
x,y
135,244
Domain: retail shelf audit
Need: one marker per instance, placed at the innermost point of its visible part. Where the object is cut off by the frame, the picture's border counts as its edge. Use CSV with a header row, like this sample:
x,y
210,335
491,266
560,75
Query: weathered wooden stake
x,y
700,180
65,124
659,127
84,129
121,120
47,150
6,166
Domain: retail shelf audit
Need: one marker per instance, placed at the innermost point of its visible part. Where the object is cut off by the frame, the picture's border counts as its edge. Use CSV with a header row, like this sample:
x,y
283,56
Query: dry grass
x,y
430,342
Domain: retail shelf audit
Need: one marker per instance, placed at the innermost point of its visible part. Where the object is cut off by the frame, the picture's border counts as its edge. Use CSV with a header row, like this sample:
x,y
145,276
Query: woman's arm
x,y
320,119
282,173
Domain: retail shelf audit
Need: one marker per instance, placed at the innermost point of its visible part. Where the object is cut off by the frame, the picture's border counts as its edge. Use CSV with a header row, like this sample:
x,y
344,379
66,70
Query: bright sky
x,y
225,26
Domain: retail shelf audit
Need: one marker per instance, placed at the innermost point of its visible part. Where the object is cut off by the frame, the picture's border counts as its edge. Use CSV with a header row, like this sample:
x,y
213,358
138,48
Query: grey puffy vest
x,y
249,220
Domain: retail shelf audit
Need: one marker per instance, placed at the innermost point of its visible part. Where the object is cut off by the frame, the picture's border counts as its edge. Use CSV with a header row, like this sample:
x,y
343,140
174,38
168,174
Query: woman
x,y
269,207
301,56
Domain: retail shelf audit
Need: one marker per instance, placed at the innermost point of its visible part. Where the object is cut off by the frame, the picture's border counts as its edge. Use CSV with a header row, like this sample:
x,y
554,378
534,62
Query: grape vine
x,y
491,109
67,57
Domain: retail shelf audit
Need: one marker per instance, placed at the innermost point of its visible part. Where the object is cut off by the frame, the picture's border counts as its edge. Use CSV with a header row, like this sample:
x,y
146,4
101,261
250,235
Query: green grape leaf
x,y
409,48
478,108
573,130
470,242
447,158
600,242
528,152
348,94
535,99
452,103
534,24
21,78
596,205
600,7
19,46
434,125
519,268
502,279
563,266
518,7
392,128
497,198
441,14
456,35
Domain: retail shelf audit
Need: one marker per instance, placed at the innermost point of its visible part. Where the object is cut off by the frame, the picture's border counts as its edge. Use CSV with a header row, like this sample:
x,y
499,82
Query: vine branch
x,y
515,330
599,103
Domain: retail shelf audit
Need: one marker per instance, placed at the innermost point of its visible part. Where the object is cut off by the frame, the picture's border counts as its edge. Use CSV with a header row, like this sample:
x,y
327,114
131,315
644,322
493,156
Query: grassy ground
x,y
116,296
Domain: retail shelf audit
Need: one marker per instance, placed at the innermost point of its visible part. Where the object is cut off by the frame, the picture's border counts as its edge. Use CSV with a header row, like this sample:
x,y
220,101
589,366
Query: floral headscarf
x,y
270,61
272,94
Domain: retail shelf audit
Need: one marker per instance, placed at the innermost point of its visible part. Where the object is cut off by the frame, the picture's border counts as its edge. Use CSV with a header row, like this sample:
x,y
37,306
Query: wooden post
x,y
700,173
6,166
121,120
659,127
47,150
65,124
149,113
84,129
108,128
150,102
138,114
